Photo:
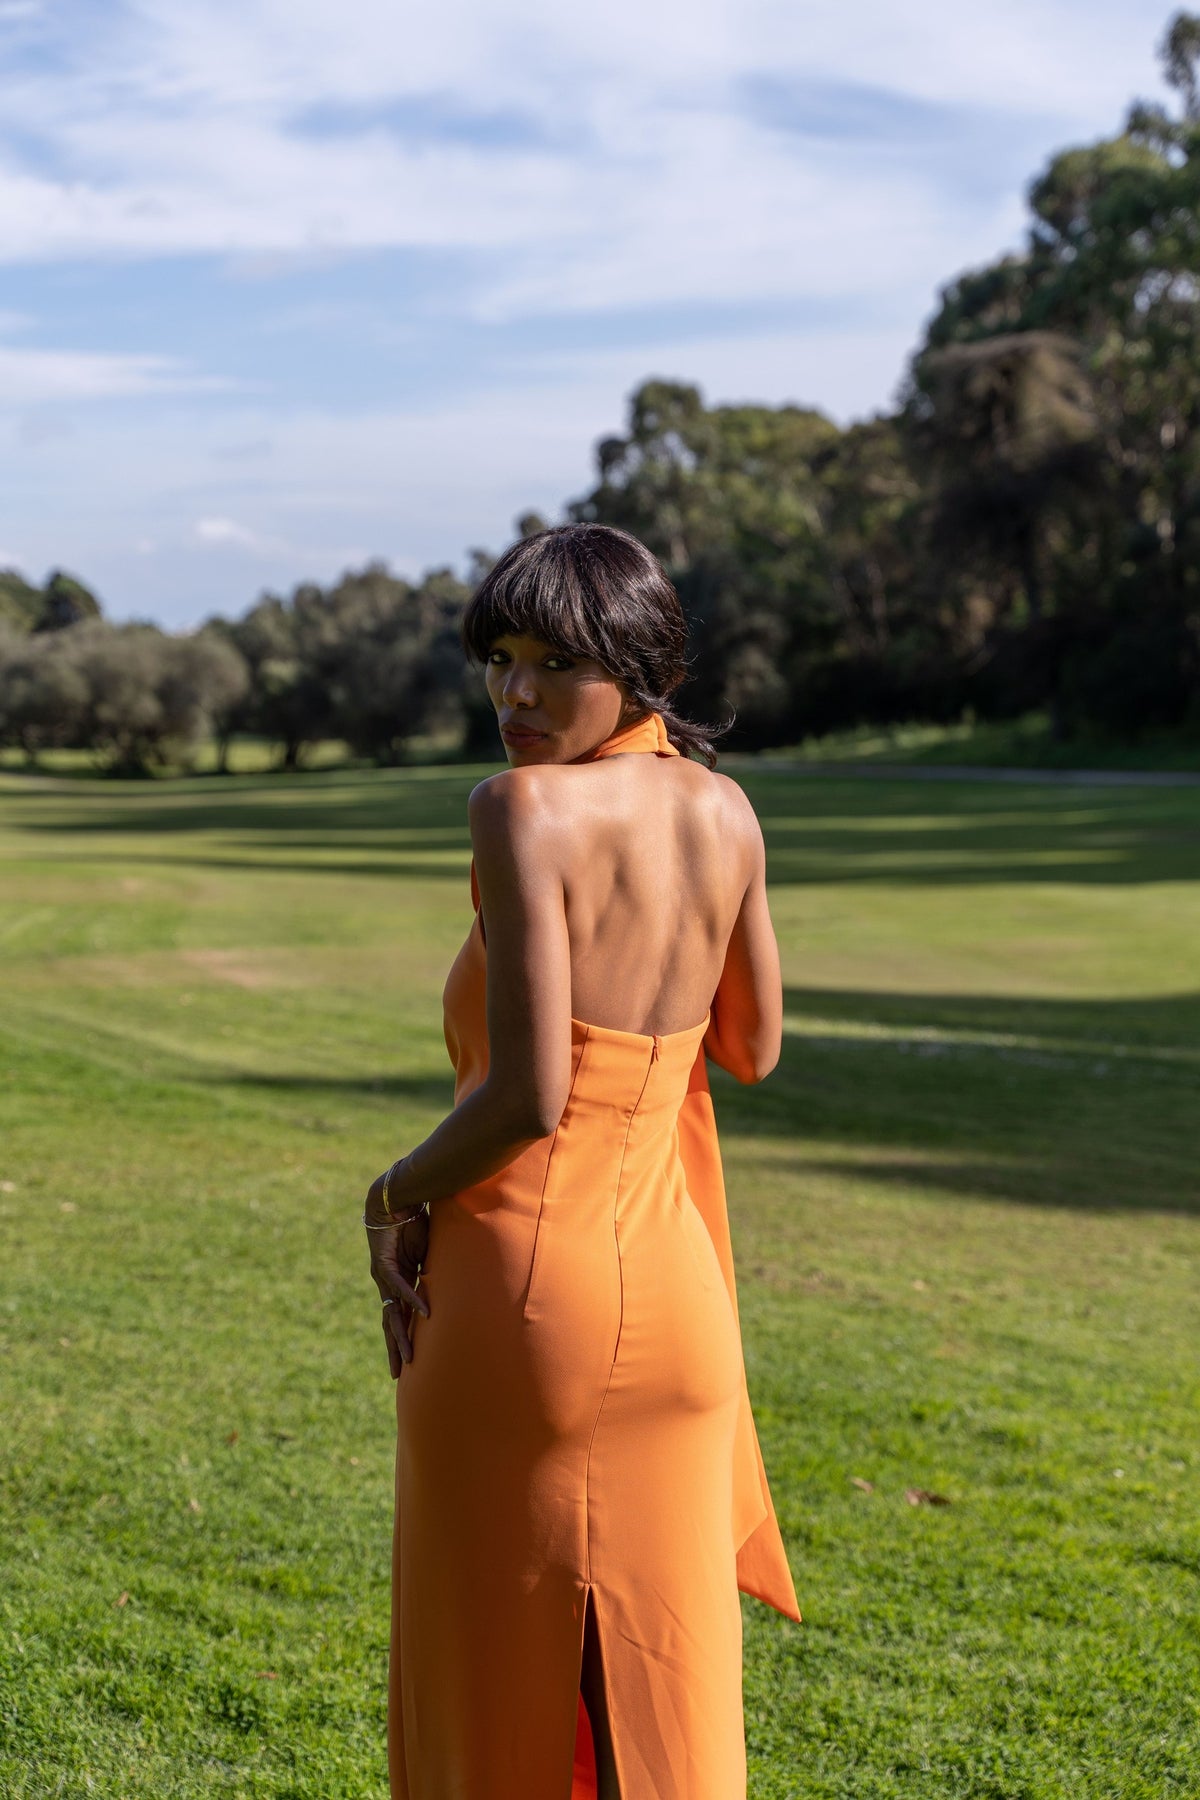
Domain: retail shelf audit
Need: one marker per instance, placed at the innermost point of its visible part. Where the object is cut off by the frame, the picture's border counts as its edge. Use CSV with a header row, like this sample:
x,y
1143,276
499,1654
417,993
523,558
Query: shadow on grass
x,y
895,833
422,1090
851,831
1088,1105
324,808
1156,1025
1069,1104
417,862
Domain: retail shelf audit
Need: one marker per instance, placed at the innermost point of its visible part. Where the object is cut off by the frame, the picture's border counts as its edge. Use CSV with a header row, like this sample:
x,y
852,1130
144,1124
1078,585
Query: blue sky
x,y
287,284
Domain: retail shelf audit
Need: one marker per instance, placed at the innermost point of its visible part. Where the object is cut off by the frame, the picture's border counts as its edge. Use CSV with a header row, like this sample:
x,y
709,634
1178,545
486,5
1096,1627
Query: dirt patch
x,y
243,968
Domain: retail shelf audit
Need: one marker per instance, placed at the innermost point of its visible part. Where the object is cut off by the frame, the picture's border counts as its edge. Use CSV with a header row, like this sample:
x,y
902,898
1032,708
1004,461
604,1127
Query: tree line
x,y
1022,530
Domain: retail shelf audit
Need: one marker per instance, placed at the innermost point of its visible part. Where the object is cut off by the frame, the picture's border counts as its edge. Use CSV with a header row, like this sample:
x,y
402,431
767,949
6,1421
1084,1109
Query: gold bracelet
x,y
387,1182
394,1221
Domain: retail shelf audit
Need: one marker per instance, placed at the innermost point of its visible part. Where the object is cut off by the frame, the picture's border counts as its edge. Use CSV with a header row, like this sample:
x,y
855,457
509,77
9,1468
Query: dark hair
x,y
593,590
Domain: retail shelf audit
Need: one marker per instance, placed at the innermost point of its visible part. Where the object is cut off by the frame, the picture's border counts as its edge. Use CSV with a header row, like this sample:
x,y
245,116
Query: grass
x,y
966,1210
1025,743
245,756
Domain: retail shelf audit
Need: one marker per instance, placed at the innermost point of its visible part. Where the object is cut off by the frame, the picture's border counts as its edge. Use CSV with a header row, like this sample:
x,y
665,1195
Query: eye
x,y
497,656
560,662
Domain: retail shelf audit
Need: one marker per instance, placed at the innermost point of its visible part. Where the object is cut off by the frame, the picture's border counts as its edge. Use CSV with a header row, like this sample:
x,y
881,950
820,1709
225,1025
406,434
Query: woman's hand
x,y
397,1255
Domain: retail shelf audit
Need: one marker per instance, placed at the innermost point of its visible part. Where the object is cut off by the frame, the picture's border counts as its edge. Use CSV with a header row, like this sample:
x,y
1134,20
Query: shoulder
x,y
738,823
513,803
734,805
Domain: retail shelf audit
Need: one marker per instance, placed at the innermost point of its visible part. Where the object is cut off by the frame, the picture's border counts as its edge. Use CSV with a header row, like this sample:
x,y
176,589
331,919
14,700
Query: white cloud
x,y
641,176
224,531
227,534
31,377
568,63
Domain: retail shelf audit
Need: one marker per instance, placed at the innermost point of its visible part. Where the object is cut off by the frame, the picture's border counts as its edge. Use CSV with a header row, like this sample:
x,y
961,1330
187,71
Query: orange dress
x,y
575,1425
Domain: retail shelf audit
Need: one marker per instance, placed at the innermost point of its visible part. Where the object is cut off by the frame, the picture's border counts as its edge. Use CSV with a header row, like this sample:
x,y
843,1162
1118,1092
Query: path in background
x,y
849,771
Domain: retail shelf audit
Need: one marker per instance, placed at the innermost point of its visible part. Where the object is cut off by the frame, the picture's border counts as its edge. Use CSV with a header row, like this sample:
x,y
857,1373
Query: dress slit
x,y
587,1780
584,1778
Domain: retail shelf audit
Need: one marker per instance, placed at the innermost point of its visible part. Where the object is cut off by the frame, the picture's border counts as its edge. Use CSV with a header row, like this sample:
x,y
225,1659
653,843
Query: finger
x,y
396,1333
392,1286
397,1324
395,1361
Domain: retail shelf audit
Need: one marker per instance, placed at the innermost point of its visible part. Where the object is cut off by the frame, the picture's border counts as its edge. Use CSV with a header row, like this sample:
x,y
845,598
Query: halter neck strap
x,y
648,734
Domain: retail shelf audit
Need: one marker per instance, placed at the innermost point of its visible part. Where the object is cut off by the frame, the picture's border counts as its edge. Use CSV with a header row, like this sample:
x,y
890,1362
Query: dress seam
x,y
537,1227
587,1466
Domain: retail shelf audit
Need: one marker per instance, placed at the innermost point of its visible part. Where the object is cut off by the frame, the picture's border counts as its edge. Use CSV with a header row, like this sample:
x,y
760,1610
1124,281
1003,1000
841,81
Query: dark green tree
x,y
20,601
1096,532
393,662
730,499
65,601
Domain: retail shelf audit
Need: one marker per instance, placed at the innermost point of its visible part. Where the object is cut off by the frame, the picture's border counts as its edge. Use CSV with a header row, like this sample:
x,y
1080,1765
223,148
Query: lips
x,y
520,735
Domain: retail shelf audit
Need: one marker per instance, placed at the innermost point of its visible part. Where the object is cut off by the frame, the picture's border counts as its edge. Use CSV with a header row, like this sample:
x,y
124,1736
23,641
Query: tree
x,y
43,694
20,602
731,500
657,481
1008,425
202,680
393,663
137,696
61,602
374,661
65,601
1180,53
285,701
1098,529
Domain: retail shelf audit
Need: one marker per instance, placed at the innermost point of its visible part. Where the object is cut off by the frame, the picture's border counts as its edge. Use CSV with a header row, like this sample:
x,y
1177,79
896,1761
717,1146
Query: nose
x,y
518,687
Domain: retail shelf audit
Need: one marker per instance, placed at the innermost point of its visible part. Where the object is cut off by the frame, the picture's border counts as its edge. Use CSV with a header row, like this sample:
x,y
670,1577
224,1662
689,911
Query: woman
x,y
579,1493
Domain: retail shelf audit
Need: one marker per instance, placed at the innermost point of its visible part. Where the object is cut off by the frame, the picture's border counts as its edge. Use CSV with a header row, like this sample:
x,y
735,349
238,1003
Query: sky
x,y
287,285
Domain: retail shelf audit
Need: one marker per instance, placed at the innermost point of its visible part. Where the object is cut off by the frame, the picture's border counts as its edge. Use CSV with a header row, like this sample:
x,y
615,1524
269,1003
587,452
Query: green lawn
x,y
965,1208
1024,743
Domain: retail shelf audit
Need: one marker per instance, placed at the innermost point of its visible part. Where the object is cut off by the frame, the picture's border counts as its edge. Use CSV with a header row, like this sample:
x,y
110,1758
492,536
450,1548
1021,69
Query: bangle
x,y
387,1182
396,1219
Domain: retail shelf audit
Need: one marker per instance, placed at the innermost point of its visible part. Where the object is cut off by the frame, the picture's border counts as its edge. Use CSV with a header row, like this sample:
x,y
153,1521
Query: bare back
x,y
656,856
627,892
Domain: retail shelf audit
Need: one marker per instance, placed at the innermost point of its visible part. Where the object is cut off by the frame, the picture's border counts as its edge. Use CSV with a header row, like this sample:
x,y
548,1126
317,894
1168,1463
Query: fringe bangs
x,y
525,599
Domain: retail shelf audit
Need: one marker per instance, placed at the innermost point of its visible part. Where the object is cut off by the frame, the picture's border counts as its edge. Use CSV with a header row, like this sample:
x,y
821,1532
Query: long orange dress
x,y
575,1426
